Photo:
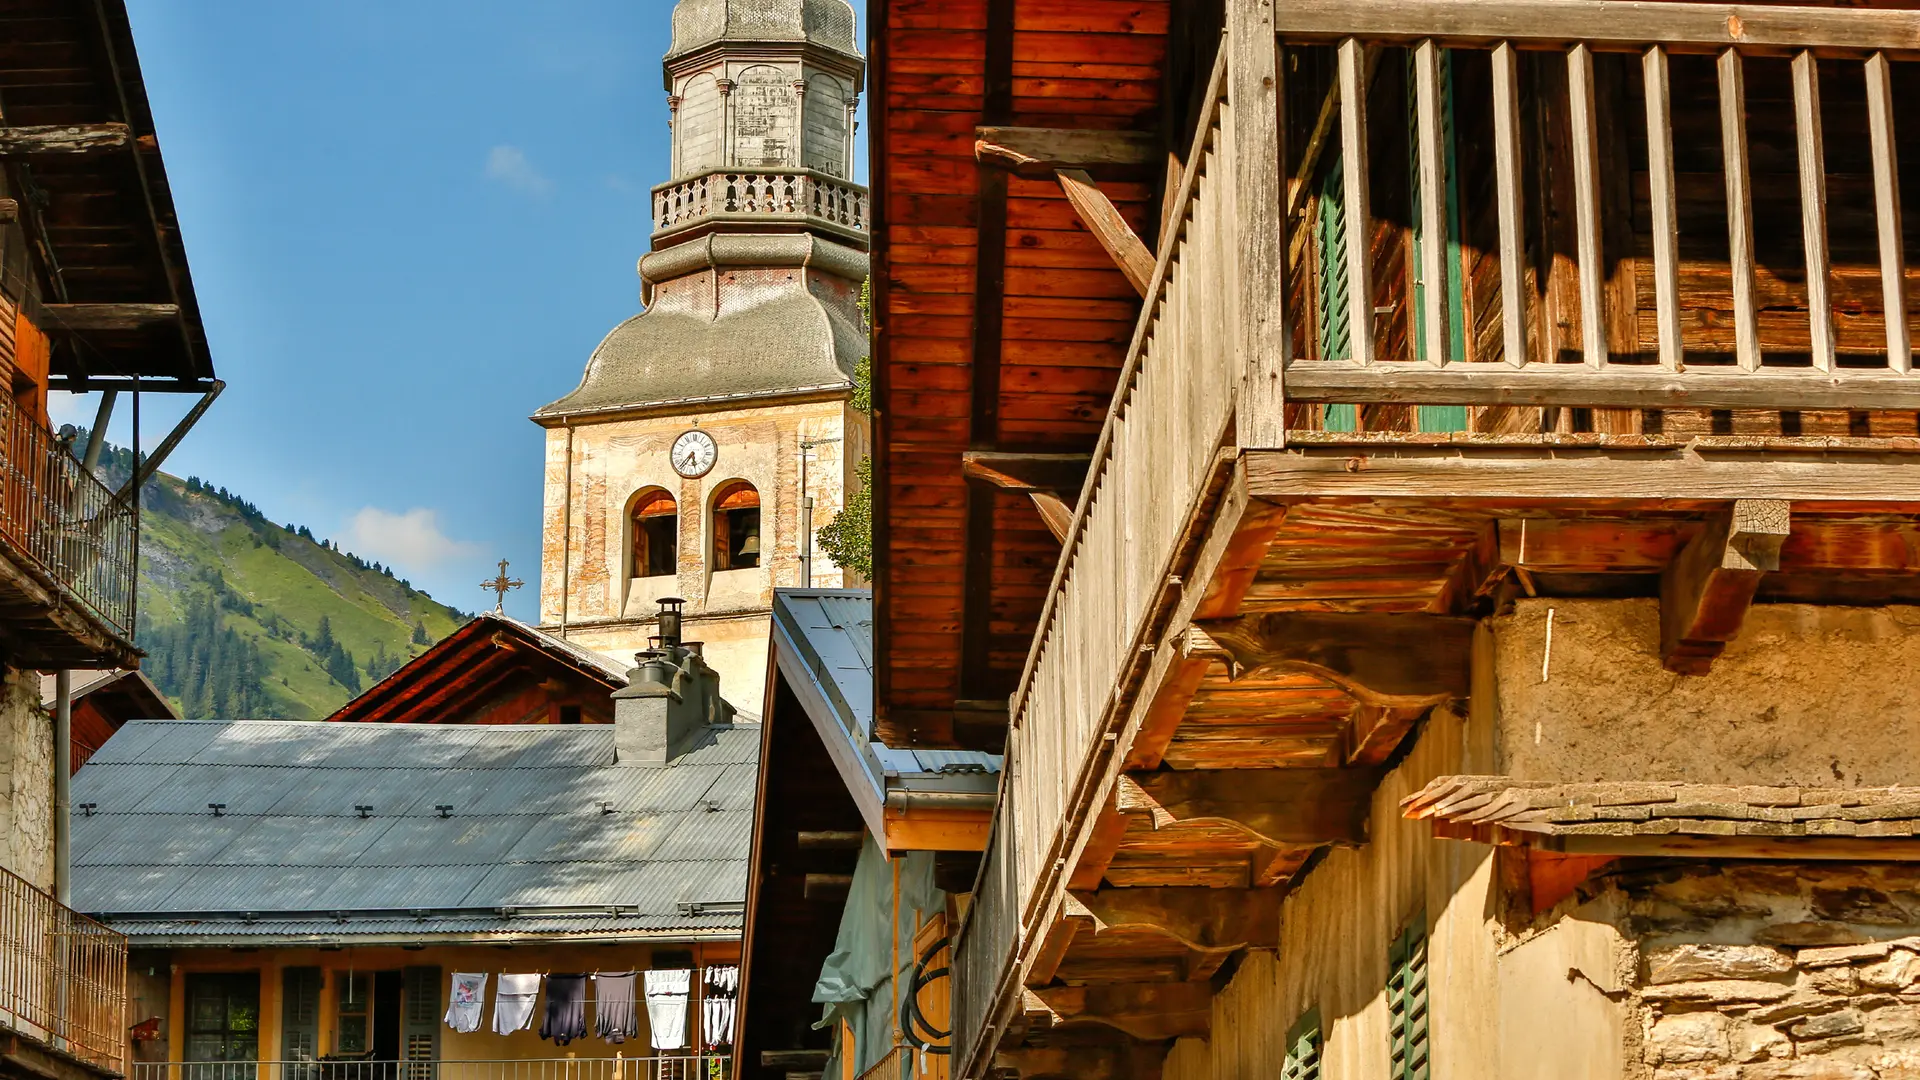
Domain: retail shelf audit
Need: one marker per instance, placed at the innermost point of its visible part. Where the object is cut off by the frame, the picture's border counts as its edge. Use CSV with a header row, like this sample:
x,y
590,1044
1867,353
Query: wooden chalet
x,y
103,702
1281,407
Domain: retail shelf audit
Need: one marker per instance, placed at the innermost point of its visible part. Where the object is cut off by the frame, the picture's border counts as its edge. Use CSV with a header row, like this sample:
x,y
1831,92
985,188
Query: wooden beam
x,y
84,317
1584,137
9,211
1103,843
1616,386
936,830
46,139
1600,23
826,886
1282,806
1506,166
1074,919
1037,153
1109,227
1355,204
1065,473
1665,206
1255,145
1154,1012
793,1059
1430,122
1740,256
831,841
1125,1059
1390,660
1886,202
1706,591
1850,848
1199,918
1054,511
1811,145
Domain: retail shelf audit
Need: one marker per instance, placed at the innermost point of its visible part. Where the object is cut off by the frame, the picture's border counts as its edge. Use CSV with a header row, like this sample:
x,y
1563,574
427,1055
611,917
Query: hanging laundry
x,y
464,1001
615,1013
566,1018
667,1007
722,985
513,1003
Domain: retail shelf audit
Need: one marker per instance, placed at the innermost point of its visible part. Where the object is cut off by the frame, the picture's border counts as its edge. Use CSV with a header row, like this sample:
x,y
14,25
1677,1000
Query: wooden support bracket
x,y
1120,1059
1199,918
40,139
1393,661
1038,152
1282,806
1706,591
1074,918
1105,222
1153,1012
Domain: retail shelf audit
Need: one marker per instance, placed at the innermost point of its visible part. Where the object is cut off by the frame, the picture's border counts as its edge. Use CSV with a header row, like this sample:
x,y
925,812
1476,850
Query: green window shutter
x,y
1331,286
300,1014
1303,1048
1437,417
420,1021
1409,1051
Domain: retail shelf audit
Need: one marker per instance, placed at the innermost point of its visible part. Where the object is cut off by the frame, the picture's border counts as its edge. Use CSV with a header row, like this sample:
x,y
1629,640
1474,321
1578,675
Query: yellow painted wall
x,y
1502,1008
454,1046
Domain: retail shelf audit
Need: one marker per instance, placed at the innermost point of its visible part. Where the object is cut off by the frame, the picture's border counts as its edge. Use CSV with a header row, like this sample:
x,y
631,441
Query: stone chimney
x,y
671,697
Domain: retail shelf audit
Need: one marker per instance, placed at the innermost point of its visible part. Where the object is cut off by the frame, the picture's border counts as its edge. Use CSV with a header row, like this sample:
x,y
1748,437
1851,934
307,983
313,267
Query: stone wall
x,y
26,795
1763,971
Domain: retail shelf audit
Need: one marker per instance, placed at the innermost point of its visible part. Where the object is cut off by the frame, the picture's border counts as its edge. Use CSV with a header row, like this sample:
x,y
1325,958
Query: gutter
x,y
940,800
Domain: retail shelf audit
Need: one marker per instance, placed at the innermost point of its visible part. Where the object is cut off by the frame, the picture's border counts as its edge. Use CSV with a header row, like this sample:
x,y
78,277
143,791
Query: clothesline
x,y
615,1004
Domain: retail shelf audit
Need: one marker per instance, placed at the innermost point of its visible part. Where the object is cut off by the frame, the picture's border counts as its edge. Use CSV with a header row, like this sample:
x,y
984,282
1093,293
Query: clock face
x,y
694,453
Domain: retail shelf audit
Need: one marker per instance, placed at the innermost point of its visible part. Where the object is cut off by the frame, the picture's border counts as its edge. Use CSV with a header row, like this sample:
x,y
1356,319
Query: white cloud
x,y
411,540
509,165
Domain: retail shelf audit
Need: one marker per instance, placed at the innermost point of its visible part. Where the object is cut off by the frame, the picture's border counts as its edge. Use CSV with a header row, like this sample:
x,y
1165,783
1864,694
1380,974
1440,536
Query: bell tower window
x,y
736,527
655,528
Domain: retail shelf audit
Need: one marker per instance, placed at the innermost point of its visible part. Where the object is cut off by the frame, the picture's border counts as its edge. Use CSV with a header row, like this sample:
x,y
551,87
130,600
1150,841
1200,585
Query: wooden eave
x,y
1000,324
460,670
109,224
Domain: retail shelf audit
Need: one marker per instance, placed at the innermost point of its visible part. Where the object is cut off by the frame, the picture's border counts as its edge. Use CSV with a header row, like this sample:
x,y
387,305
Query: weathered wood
x,y
52,139
1617,386
1026,472
793,1059
1429,123
1665,228
1886,203
1198,918
9,211
1506,163
1733,153
1594,545
1054,512
82,317
1150,1011
1784,848
827,886
830,841
1385,660
1356,202
1585,148
1256,226
1811,148
1105,222
1603,24
1280,806
1104,835
1706,591
1037,152
1074,920
1123,1059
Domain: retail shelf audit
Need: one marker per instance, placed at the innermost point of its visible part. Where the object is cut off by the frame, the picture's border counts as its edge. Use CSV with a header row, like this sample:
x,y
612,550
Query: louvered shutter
x,y
1330,269
421,1011
1303,1049
1407,1003
1437,417
300,1014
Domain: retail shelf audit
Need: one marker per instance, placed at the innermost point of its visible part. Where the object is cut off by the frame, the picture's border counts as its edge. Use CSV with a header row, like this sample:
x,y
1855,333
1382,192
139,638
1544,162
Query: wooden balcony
x,y
1589,343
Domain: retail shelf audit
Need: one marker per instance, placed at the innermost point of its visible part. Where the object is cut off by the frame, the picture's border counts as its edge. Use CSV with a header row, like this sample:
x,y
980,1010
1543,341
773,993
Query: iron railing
x,y
63,977
764,196
63,520
615,1066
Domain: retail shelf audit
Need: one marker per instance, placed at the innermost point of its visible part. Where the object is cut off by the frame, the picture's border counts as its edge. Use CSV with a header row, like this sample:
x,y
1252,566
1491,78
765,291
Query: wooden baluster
x,y
1433,201
1733,149
1813,206
1359,214
1886,203
1506,164
1585,144
1666,214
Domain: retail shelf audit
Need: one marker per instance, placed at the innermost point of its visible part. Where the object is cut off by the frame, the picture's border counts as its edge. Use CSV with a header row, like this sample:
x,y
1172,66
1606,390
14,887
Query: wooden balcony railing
x,y
63,977
760,198
614,1066
61,520
1570,203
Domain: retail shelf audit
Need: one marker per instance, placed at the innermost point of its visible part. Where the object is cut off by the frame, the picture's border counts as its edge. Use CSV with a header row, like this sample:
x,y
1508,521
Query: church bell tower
x,y
710,437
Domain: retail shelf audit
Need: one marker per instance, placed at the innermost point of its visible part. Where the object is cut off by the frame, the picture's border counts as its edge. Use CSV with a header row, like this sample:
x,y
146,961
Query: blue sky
x,y
409,222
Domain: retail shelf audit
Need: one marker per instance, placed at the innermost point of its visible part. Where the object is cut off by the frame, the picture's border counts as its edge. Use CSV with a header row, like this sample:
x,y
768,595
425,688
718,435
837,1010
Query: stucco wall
x,y
1807,695
26,797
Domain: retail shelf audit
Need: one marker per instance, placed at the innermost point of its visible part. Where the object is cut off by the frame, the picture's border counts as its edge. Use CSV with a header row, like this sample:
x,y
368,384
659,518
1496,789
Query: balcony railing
x,y
714,1066
63,977
768,196
63,521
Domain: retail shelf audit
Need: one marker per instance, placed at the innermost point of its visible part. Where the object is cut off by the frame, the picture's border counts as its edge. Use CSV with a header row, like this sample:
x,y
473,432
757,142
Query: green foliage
x,y
848,538
204,664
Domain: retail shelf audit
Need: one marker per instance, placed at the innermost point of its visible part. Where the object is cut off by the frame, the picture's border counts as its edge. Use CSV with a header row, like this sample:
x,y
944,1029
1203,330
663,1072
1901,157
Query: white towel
x,y
667,1007
464,1002
513,1003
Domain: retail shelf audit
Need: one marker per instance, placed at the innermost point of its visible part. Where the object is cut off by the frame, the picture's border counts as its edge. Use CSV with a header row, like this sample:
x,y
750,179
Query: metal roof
x,y
823,648
547,833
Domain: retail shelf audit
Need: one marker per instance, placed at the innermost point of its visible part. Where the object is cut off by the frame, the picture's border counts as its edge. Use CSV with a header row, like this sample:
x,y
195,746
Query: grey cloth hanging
x,y
616,1013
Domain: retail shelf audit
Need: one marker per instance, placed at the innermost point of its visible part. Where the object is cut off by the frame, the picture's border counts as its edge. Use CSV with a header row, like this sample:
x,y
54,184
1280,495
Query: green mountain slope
x,y
242,617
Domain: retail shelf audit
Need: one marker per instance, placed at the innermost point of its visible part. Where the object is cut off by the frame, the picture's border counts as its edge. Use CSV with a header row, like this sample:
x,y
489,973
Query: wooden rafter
x,y
1281,806
1707,589
62,139
83,317
1038,152
1108,226
1149,1011
1199,918
1392,661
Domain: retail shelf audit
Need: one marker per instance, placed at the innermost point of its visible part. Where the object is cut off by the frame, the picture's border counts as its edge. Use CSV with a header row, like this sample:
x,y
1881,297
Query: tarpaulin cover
x,y
856,980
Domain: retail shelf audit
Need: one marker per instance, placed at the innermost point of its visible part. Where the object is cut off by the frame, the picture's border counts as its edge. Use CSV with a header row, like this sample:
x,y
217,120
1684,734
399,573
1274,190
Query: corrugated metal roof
x,y
526,828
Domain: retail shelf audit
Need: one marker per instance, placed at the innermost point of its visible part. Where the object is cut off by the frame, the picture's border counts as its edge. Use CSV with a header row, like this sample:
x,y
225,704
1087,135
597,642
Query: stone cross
x,y
499,587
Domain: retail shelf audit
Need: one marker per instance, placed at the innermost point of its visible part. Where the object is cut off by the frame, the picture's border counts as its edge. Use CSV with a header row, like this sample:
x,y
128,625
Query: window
x,y
353,1015
1303,1048
569,714
223,1017
1407,1003
655,526
736,527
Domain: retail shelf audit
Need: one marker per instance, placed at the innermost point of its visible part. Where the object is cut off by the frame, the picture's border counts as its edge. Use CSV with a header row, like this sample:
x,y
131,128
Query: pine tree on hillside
x,y
323,638
419,632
